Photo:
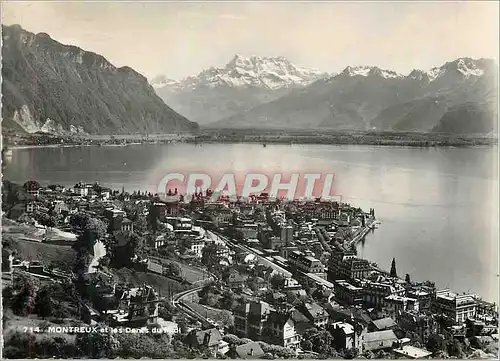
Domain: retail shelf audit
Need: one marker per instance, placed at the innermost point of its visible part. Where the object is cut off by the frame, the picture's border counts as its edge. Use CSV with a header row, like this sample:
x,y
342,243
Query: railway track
x,y
179,303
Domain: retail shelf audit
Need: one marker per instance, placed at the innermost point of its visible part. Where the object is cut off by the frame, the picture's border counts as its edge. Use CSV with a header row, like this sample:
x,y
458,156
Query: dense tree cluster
x,y
57,300
20,297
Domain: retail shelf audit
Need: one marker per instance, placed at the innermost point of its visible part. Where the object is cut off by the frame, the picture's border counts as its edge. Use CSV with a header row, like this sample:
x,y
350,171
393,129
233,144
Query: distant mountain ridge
x,y
367,97
243,83
56,88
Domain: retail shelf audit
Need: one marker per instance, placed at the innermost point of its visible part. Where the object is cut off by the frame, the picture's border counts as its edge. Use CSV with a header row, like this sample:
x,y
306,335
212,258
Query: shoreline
x,y
388,144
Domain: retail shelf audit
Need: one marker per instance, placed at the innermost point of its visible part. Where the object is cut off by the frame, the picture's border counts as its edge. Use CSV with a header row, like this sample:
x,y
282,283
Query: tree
x,y
45,219
134,345
104,261
96,345
43,303
210,256
407,278
454,348
228,300
92,229
79,220
24,292
166,310
31,185
173,269
435,343
82,262
7,296
306,345
277,281
351,353
393,269
153,216
318,341
122,255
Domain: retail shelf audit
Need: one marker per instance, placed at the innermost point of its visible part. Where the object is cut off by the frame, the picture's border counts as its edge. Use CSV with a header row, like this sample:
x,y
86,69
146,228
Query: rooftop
x,y
412,352
384,323
250,350
380,336
347,327
347,285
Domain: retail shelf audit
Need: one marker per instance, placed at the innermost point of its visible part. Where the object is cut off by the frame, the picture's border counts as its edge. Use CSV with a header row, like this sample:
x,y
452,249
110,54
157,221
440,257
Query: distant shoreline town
x,y
208,136
221,278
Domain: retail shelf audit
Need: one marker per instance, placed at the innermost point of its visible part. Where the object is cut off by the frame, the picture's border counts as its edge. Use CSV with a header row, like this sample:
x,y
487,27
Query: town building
x,y
345,266
306,264
457,308
248,231
346,336
286,251
137,307
241,319
316,314
423,297
375,293
260,321
210,339
251,350
347,293
258,314
382,324
417,323
127,225
195,246
286,234
280,329
394,305
376,341
81,189
410,352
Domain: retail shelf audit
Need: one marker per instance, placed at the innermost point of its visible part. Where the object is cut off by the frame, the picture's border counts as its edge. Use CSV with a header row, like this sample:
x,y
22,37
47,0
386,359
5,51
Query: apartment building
x,y
457,308
347,293
306,264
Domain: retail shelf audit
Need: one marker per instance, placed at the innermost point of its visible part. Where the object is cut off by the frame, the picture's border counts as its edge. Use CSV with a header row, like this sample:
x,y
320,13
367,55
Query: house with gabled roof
x,y
251,350
210,339
316,314
280,329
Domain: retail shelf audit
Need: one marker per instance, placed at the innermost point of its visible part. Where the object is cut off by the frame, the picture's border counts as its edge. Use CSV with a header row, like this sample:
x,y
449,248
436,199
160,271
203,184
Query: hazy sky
x,y
180,39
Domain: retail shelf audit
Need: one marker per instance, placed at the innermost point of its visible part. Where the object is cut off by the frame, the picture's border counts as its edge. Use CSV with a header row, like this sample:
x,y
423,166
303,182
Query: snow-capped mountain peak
x,y
368,71
254,71
467,67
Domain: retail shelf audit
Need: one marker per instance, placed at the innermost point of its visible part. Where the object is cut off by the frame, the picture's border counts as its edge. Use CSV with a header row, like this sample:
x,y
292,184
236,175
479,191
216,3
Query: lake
x,y
438,206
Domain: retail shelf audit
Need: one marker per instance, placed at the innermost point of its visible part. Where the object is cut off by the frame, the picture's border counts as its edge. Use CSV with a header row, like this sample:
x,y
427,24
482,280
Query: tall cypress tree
x,y
393,268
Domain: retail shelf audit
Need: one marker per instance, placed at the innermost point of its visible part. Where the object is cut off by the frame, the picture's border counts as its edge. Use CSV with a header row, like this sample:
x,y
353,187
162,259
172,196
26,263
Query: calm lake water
x,y
438,207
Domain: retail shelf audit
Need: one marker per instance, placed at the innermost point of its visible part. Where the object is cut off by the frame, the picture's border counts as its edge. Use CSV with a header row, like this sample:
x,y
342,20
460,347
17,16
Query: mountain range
x,y
56,88
242,84
458,97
